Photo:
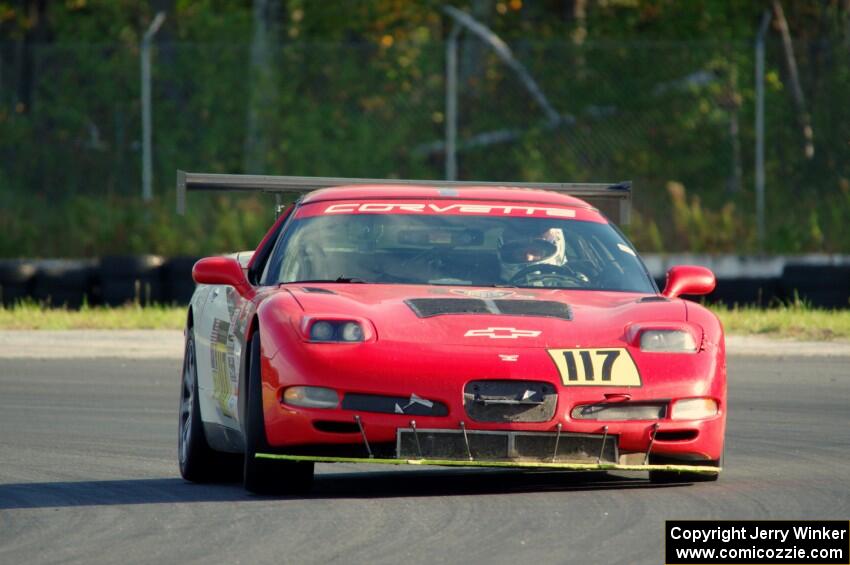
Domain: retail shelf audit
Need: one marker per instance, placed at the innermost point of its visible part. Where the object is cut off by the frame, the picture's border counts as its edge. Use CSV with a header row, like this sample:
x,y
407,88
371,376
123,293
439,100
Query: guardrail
x,y
821,280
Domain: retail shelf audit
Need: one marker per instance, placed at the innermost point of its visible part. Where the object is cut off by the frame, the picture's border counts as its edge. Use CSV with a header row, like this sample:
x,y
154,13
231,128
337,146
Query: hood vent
x,y
540,308
653,299
428,307
317,290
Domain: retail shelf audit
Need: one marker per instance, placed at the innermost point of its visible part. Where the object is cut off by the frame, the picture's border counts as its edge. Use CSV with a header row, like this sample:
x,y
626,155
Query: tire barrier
x,y
821,285
821,281
16,277
178,285
131,279
763,292
112,281
60,282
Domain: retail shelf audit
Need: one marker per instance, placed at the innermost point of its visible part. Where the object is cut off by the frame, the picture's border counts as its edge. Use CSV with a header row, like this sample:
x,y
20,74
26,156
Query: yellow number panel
x,y
613,366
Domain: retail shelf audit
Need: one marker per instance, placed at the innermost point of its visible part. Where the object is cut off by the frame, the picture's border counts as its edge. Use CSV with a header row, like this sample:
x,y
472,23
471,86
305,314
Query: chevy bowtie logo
x,y
502,333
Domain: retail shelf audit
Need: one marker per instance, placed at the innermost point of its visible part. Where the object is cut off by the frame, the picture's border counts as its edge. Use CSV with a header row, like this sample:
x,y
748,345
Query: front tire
x,y
265,476
194,455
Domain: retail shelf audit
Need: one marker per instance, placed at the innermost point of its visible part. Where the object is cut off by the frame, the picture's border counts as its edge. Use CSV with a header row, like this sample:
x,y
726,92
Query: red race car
x,y
446,323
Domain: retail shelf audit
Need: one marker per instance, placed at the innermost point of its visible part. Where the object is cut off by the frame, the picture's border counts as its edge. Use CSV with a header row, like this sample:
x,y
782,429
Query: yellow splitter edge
x,y
704,469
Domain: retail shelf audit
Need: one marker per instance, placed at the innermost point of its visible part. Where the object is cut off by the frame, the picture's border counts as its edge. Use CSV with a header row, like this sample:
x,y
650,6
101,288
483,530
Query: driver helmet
x,y
518,251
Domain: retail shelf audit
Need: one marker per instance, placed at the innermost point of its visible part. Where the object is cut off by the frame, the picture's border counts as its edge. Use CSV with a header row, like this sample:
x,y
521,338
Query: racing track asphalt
x,y
88,475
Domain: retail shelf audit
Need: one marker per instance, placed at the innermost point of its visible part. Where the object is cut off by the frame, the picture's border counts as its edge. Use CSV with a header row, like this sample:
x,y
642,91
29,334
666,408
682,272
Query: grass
x,y
33,316
788,321
793,321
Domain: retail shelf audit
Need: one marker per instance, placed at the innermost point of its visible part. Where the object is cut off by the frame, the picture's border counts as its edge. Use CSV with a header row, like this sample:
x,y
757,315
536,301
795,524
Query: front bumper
x,y
322,432
441,375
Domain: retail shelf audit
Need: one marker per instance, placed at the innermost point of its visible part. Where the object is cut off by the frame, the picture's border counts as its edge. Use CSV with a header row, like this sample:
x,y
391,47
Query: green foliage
x,y
702,231
88,226
357,89
795,320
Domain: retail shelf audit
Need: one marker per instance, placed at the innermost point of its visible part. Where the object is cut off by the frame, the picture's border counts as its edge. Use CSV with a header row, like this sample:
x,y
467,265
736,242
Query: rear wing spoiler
x,y
612,199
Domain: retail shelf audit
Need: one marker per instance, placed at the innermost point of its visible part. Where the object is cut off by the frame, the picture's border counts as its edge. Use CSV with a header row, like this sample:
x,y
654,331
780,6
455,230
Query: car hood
x,y
535,318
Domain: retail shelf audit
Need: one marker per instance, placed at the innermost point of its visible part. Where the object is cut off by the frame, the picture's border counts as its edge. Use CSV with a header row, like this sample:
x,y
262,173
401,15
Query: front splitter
x,y
702,469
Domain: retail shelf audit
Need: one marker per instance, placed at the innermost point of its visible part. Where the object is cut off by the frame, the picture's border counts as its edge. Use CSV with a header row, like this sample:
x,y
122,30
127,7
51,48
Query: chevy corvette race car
x,y
446,323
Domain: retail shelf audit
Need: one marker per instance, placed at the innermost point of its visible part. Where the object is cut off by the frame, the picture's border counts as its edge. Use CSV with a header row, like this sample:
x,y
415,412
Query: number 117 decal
x,y
596,367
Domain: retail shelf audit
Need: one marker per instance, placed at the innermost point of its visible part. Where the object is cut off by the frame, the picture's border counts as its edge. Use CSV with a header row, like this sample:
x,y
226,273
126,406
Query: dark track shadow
x,y
369,484
110,493
455,482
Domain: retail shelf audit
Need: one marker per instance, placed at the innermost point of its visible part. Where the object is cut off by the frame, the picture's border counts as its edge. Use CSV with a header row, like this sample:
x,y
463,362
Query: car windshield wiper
x,y
351,280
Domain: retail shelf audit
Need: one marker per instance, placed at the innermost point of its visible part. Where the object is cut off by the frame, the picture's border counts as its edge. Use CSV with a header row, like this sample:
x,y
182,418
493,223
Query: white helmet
x,y
520,251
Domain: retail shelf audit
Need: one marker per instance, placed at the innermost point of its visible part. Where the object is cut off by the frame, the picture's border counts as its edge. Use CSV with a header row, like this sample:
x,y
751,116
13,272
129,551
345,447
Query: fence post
x,y
145,54
765,20
451,103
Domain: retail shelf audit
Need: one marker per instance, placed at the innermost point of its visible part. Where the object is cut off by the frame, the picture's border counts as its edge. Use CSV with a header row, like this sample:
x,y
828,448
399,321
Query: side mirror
x,y
688,279
222,270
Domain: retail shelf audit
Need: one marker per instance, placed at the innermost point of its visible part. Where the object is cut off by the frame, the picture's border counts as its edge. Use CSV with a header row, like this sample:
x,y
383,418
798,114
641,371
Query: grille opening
x,y
505,446
408,405
336,427
510,401
449,444
676,435
579,448
620,411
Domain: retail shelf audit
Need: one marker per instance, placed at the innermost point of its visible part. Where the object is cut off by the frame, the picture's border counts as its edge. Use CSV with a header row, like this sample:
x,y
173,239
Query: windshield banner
x,y
447,208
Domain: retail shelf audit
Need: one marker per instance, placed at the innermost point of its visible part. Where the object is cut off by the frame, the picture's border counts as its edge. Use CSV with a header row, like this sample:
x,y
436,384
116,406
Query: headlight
x,y
311,397
336,331
617,411
351,331
694,409
667,341
322,331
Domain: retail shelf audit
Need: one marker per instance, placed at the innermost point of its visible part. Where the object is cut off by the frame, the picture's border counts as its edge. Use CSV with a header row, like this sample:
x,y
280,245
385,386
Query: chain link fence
x,y
677,118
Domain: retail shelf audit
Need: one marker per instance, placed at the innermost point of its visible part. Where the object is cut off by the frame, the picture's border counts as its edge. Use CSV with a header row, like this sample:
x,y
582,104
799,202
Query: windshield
x,y
457,250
